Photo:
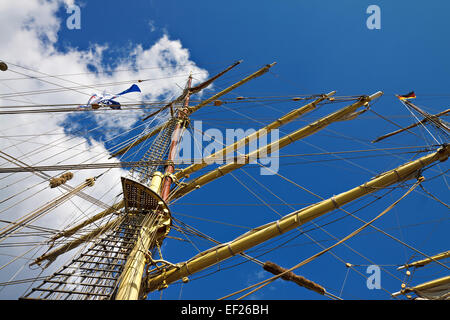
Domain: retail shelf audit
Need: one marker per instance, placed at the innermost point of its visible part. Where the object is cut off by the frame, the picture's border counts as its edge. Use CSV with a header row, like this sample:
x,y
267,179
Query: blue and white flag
x,y
106,100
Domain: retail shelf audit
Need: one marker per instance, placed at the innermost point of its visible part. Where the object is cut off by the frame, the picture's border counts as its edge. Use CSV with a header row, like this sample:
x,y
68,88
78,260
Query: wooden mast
x,y
433,119
175,139
425,120
423,262
132,276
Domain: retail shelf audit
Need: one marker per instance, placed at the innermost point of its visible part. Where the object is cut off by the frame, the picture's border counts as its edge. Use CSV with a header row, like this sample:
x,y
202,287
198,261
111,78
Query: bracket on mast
x,y
164,262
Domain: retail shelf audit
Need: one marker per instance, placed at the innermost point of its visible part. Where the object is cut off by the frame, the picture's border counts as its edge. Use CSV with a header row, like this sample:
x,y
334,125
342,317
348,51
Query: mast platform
x,y
139,197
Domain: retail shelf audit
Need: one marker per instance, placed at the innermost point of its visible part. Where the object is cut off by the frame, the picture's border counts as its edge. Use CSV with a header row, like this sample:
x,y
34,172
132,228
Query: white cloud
x,y
29,30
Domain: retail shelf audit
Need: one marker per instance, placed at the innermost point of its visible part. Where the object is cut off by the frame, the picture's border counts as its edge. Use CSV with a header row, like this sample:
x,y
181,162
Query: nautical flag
x,y
410,95
97,101
133,88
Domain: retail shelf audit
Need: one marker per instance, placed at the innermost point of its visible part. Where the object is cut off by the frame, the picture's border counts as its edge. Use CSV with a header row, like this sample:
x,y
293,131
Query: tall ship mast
x,y
118,252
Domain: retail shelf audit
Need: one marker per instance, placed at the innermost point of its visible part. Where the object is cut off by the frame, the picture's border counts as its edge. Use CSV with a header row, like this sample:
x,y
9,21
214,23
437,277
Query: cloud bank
x,y
29,32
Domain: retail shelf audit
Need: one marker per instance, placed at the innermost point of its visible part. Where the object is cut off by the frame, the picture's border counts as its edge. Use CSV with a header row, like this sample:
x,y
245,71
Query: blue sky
x,y
319,46
314,41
